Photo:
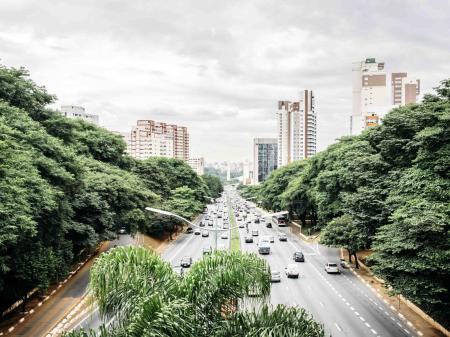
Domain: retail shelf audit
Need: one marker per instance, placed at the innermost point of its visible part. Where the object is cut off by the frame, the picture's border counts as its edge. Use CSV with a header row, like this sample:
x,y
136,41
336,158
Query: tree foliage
x,y
386,189
145,297
66,185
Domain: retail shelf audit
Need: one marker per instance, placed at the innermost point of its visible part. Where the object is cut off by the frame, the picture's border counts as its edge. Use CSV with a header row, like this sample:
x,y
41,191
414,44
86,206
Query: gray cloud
x,y
219,67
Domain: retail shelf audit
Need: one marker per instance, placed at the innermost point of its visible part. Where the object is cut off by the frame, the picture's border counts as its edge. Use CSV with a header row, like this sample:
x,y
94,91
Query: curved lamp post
x,y
215,230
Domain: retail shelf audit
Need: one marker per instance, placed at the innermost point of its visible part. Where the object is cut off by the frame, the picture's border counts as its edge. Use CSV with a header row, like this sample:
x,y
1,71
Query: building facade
x,y
265,158
370,95
297,128
198,165
149,139
405,89
75,111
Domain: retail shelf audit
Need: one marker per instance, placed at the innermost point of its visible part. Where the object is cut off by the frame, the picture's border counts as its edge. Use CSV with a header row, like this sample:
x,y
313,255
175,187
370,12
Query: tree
x,y
147,298
214,184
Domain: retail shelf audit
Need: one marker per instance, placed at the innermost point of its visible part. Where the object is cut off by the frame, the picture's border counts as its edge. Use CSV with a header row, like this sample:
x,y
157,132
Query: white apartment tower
x,y
370,94
198,165
297,128
405,89
75,111
156,139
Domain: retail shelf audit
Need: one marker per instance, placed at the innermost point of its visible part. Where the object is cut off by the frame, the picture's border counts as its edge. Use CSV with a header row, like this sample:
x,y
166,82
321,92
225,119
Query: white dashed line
x,y
373,331
338,327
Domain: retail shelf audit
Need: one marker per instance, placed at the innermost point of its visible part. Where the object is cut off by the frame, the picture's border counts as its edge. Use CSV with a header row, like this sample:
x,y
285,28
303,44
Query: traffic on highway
x,y
302,274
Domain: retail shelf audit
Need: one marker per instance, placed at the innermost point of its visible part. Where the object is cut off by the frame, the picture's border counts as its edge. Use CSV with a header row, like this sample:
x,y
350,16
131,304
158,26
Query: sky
x,y
219,67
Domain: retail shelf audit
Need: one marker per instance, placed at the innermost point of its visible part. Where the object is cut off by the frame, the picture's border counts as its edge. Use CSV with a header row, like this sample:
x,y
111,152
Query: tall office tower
x,y
198,165
405,89
265,158
297,128
75,111
150,139
370,94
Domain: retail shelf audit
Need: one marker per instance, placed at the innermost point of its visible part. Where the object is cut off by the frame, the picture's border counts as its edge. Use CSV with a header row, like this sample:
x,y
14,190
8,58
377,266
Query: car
x,y
202,224
205,234
299,257
219,215
241,225
248,239
257,220
292,271
282,237
275,276
122,230
225,226
224,235
207,250
186,262
197,232
332,268
255,232
189,230
269,225
210,224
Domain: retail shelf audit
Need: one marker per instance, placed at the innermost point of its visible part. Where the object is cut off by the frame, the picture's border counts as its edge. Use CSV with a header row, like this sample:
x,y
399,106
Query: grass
x,y
235,243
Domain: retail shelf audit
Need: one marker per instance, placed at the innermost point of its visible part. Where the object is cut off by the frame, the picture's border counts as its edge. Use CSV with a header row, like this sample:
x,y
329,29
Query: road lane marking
x,y
338,327
373,331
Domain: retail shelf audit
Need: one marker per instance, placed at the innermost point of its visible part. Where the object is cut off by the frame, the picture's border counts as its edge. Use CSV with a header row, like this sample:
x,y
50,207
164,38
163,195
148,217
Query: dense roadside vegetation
x,y
66,185
145,297
387,189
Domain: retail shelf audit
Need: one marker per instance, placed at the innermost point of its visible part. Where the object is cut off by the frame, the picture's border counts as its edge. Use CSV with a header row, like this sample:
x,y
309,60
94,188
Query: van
x,y
264,248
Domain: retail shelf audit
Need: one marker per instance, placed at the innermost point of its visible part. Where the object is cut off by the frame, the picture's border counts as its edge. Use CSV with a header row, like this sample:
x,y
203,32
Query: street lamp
x,y
215,230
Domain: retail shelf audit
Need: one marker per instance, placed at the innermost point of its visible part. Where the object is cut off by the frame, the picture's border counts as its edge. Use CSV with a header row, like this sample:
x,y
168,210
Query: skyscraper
x,y
297,128
265,158
150,138
404,89
370,94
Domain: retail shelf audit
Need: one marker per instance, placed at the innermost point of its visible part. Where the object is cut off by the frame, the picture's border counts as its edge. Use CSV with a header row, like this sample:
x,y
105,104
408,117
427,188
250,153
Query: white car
x,y
292,271
275,276
224,235
205,234
255,232
332,268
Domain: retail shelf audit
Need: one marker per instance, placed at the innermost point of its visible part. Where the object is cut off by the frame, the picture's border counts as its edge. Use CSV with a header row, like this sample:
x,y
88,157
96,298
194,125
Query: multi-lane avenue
x,y
342,302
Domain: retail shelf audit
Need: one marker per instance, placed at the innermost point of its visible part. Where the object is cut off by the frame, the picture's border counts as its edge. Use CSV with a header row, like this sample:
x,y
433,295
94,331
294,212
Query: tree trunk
x,y
356,260
303,218
349,255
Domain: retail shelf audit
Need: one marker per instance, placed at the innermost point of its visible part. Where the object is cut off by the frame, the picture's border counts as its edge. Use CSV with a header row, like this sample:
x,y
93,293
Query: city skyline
x,y
218,70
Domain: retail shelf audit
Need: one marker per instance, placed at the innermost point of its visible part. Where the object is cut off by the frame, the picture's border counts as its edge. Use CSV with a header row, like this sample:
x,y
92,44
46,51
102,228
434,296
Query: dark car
x,y
299,257
269,225
189,230
257,220
202,224
248,239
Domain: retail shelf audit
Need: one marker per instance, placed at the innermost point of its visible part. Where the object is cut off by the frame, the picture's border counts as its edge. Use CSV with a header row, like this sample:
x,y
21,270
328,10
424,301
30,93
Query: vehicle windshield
x,y
332,265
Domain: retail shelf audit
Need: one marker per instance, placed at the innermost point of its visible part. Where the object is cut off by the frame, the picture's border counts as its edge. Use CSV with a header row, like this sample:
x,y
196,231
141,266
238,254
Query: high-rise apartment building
x,y
265,158
150,139
297,128
370,94
405,89
75,111
198,165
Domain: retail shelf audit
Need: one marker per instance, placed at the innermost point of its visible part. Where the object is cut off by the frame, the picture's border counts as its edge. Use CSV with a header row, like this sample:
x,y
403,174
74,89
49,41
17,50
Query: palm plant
x,y
145,297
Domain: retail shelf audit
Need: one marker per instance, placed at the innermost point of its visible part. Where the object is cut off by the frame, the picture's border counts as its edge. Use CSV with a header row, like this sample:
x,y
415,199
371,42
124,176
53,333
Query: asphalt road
x,y
345,305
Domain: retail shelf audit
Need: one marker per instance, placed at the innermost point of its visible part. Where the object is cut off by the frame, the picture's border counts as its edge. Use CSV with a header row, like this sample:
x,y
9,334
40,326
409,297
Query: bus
x,y
279,220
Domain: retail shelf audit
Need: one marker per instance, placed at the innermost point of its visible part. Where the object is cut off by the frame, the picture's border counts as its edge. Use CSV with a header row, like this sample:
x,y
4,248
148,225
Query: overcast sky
x,y
219,67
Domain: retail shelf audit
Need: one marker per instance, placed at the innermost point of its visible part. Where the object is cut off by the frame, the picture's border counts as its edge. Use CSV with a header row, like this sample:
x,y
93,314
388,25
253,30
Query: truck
x,y
264,247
